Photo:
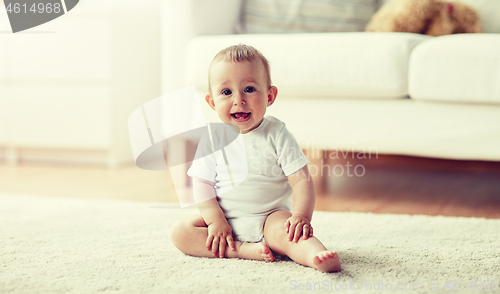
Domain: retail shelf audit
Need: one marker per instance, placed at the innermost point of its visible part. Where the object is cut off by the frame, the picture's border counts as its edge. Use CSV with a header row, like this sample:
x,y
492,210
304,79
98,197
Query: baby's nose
x,y
238,100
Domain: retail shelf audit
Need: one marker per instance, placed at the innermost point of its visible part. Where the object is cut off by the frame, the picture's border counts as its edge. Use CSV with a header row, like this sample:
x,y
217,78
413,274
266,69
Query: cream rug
x,y
58,245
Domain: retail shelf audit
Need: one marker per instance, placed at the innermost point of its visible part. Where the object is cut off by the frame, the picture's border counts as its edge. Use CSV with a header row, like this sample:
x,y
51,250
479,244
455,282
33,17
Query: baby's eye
x,y
249,89
226,92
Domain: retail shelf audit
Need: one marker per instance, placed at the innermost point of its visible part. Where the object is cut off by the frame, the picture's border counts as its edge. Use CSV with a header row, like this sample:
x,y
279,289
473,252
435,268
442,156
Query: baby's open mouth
x,y
241,116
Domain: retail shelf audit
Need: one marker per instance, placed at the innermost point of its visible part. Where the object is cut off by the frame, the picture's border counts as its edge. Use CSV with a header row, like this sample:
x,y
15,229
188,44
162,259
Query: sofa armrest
x,y
186,19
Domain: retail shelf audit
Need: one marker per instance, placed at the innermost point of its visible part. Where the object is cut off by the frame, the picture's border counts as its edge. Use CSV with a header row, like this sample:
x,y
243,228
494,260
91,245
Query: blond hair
x,y
241,53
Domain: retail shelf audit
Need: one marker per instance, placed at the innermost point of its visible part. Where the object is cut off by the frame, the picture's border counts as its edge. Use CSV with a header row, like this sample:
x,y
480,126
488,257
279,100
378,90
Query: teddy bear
x,y
430,17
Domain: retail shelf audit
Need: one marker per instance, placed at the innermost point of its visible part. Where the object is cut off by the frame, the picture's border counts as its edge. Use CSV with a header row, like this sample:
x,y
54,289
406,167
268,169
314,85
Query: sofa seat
x,y
404,127
321,64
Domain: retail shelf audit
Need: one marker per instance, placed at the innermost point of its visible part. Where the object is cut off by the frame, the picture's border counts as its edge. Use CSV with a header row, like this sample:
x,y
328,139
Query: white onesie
x,y
255,184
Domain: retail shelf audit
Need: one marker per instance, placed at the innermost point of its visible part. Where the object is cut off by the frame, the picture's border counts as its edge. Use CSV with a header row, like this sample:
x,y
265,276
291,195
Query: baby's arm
x,y
219,231
303,205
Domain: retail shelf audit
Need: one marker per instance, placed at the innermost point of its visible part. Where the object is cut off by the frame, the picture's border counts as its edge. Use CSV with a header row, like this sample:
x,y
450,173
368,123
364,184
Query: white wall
x,y
70,84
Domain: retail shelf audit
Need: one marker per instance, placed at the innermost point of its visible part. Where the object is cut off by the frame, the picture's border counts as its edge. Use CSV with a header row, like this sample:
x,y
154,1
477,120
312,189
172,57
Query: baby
x,y
253,219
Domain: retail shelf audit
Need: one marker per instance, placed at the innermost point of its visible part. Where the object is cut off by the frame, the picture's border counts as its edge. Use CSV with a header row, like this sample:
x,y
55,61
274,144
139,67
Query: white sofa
x,y
389,93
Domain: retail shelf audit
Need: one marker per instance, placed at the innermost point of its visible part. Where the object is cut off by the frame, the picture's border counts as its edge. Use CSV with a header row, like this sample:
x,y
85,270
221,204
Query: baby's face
x,y
239,93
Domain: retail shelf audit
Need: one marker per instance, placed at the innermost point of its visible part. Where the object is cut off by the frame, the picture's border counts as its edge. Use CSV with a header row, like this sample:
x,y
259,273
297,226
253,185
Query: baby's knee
x,y
183,232
275,224
275,235
178,234
280,233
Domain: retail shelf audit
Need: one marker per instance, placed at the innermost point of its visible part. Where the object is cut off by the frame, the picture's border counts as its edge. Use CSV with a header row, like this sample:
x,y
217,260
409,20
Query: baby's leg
x,y
308,252
190,236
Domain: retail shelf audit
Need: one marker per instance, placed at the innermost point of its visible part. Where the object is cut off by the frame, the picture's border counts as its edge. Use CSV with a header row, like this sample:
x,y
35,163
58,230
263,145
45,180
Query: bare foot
x,y
327,261
255,251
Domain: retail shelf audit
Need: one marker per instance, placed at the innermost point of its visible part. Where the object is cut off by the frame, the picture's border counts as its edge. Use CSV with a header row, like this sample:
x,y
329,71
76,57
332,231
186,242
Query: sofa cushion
x,y
462,67
301,16
368,65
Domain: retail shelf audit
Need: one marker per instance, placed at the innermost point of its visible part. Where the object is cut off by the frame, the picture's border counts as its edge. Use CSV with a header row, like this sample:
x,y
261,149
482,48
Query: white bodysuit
x,y
256,183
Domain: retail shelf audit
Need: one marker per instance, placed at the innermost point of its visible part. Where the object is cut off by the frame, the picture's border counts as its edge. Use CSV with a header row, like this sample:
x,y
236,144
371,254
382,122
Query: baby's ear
x,y
271,95
210,101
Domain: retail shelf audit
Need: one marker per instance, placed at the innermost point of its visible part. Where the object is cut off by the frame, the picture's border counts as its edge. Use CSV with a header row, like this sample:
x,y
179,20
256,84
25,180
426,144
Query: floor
x,y
388,184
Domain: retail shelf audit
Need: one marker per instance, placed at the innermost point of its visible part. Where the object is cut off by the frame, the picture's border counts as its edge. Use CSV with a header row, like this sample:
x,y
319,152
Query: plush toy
x,y
431,17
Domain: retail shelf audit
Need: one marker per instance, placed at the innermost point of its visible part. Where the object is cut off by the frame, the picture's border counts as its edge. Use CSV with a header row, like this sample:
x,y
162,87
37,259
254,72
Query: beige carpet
x,y
59,245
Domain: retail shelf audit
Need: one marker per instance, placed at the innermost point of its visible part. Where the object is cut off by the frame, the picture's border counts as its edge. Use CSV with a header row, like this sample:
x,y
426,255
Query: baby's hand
x,y
220,234
298,225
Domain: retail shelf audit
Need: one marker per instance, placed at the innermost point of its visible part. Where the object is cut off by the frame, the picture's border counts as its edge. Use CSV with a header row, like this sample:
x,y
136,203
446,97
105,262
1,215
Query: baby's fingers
x,y
208,244
222,247
287,225
298,232
215,245
230,241
306,231
291,231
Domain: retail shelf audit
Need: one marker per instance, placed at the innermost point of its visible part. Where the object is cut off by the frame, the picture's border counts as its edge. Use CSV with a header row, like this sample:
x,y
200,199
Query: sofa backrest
x,y
321,65
306,16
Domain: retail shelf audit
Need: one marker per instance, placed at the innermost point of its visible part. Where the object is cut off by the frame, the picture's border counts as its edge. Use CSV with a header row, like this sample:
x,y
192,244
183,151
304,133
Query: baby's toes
x,y
266,253
323,255
327,261
268,258
316,260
